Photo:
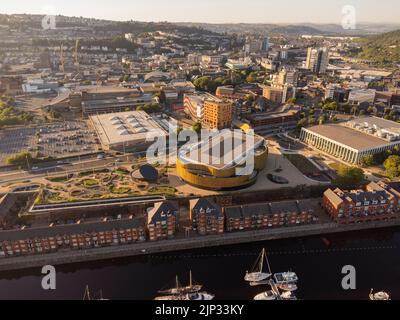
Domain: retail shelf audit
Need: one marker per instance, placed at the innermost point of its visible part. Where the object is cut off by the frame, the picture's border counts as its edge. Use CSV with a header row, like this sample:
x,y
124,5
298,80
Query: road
x,y
54,169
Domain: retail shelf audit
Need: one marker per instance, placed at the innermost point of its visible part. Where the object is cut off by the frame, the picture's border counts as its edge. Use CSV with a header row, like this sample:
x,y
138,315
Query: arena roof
x,y
222,150
124,127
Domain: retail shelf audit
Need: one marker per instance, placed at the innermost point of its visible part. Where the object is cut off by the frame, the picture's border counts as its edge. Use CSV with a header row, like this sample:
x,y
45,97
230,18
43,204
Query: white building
x,y
355,139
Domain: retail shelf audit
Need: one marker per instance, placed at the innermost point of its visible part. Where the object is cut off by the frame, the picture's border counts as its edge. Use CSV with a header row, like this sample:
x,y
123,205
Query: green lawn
x,y
90,183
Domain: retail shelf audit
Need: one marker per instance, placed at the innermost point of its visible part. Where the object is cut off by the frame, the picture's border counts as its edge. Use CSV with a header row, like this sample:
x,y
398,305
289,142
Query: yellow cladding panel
x,y
207,177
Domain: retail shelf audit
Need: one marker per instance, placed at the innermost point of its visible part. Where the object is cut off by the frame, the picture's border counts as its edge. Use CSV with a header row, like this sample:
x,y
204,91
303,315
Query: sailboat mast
x,y
87,293
262,260
269,266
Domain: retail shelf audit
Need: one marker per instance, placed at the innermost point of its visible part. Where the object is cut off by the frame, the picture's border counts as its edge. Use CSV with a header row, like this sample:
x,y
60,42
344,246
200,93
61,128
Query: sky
x,y
213,11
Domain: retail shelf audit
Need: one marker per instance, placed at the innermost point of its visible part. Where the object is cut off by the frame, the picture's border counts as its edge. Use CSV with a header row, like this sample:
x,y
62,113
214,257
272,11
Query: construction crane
x,y
62,60
76,55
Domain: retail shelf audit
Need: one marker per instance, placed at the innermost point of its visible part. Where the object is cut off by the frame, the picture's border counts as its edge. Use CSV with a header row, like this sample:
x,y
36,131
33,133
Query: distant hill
x,y
383,48
24,21
295,29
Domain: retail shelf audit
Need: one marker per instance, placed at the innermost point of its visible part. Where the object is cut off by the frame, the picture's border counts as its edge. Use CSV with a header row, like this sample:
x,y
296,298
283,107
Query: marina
x,y
142,277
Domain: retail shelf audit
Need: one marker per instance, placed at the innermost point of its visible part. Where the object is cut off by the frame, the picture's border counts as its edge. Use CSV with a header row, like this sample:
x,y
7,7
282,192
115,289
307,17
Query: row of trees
x,y
379,158
23,159
10,116
150,108
392,166
209,84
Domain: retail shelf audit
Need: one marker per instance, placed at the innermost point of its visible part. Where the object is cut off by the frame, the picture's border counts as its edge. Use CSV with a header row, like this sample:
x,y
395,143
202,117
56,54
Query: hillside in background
x,y
383,48
295,29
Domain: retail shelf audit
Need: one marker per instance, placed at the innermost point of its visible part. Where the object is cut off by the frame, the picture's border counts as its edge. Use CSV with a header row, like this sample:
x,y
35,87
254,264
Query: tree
x,y
368,161
302,123
370,110
150,108
126,78
197,127
349,177
322,119
392,166
311,121
205,84
20,159
178,131
251,78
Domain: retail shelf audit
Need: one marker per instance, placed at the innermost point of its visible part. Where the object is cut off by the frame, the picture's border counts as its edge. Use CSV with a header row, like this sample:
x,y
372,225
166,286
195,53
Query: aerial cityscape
x,y
178,152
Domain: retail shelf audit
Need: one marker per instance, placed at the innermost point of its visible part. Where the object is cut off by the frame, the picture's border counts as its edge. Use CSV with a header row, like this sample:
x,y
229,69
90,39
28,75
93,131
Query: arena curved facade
x,y
210,165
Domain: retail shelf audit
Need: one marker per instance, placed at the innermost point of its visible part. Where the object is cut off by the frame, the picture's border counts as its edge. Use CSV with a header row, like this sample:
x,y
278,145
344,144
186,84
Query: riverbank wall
x,y
149,248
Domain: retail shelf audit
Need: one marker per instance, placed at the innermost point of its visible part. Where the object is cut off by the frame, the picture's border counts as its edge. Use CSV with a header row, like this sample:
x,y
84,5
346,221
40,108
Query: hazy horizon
x,y
214,12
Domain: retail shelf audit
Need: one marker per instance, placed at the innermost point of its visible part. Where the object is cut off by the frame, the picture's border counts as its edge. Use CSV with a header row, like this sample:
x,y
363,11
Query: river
x,y
318,261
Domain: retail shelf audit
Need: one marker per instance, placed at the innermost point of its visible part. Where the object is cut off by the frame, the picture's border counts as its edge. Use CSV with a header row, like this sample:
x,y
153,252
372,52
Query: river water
x,y
318,261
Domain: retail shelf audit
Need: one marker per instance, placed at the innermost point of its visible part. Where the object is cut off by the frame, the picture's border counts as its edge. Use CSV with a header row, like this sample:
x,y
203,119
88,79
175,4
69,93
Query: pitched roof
x,y
207,206
161,211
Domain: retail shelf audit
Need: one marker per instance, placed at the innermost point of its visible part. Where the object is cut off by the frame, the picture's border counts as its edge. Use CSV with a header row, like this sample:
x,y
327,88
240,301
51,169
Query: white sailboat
x,y
178,289
190,292
382,295
87,295
257,275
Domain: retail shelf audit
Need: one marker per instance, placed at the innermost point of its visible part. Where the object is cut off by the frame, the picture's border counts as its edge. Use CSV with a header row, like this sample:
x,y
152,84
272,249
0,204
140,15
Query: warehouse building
x,y
352,140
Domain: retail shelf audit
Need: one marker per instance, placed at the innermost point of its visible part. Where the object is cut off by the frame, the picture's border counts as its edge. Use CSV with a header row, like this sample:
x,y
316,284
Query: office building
x,y
317,60
362,96
270,123
279,94
352,140
217,114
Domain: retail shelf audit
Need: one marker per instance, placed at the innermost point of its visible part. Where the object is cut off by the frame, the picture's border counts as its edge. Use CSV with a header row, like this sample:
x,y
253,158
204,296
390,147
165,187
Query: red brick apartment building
x,y
207,217
71,237
162,221
269,215
229,92
378,201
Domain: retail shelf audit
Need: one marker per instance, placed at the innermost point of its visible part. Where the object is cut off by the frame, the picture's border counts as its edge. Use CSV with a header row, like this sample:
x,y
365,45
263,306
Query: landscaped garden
x,y
103,184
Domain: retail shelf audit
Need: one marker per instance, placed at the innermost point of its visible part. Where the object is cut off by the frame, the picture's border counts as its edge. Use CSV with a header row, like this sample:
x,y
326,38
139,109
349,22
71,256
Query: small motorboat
x,y
267,295
286,277
382,295
199,296
291,287
288,296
